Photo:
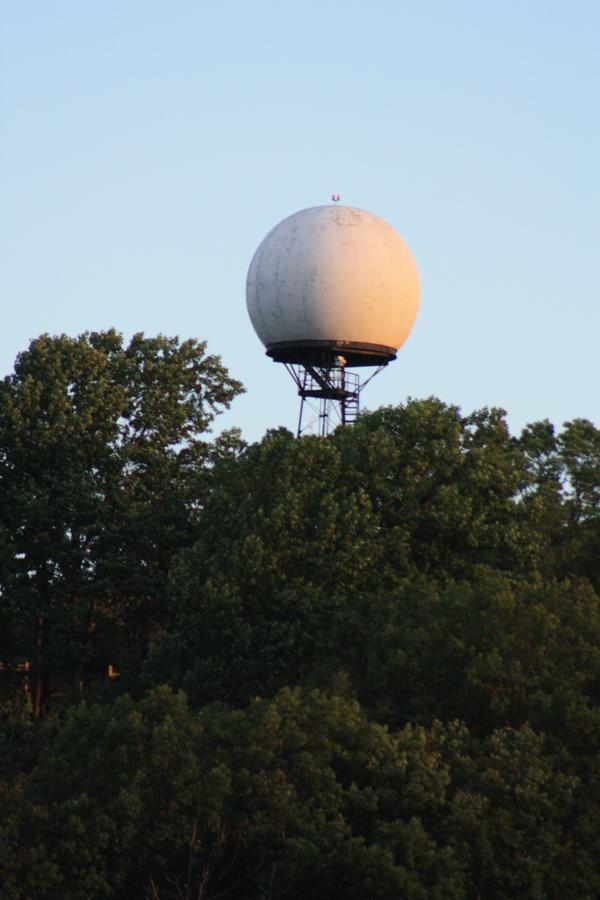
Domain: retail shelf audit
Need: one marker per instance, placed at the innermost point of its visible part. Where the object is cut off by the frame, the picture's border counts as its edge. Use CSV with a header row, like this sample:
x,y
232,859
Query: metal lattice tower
x,y
332,392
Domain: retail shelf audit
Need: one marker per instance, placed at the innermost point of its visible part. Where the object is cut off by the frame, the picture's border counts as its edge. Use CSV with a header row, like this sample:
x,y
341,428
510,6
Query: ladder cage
x,y
331,392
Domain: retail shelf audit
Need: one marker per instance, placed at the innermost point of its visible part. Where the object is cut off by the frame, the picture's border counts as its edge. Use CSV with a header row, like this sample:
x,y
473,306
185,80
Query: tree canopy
x,y
101,445
366,665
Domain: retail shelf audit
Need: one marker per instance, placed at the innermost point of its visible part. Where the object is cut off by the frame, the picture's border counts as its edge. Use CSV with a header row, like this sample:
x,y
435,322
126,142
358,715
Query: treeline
x,y
366,665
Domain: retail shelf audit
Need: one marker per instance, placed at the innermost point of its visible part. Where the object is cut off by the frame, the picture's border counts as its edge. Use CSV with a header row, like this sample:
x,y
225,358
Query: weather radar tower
x,y
330,289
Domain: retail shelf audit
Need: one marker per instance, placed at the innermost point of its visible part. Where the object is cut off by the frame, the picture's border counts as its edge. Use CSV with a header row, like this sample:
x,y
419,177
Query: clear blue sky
x,y
147,147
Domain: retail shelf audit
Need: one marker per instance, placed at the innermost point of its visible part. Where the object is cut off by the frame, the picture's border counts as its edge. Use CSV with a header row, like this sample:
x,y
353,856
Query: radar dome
x,y
333,279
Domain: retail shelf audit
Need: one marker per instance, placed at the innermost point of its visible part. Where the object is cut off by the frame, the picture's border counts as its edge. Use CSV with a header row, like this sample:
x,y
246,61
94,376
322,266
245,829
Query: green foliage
x,y
100,446
309,548
299,794
520,822
492,651
375,669
269,572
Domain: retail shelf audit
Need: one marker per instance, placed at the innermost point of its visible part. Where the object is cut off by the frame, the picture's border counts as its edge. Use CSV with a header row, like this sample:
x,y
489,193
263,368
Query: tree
x,y
304,543
413,601
280,541
299,794
519,820
492,650
100,448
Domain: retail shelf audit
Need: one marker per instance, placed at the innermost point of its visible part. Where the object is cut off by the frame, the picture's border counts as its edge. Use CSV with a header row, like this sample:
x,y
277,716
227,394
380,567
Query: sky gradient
x,y
147,148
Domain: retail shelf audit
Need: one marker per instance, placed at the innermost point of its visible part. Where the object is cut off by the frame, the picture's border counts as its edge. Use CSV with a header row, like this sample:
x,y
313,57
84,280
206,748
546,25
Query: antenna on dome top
x,y
327,289
336,198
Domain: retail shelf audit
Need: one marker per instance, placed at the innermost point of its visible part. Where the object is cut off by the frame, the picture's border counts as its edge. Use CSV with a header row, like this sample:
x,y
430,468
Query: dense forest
x,y
360,666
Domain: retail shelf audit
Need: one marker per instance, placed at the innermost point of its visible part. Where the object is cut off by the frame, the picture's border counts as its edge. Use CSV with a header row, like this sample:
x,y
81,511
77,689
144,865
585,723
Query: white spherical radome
x,y
333,276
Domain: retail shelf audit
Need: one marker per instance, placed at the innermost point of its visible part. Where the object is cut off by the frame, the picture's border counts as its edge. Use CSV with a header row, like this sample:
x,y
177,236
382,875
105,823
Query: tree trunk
x,y
38,686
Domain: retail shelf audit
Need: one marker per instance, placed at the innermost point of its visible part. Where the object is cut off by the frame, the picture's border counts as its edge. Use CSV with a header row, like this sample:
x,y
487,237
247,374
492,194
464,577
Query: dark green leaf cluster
x,y
299,795
101,444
